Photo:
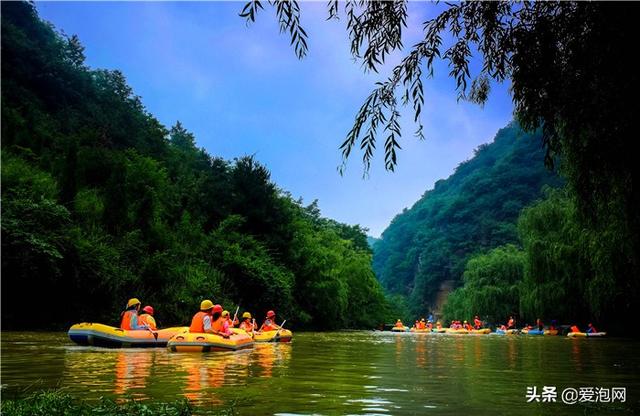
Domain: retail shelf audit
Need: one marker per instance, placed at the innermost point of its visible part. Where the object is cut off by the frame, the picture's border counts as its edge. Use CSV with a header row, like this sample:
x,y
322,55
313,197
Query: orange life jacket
x,y
197,323
510,323
268,325
247,326
399,325
477,323
148,320
218,325
575,329
126,320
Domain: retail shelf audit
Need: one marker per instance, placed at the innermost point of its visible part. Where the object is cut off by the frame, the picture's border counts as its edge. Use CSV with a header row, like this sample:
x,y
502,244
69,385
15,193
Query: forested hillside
x,y
473,210
101,202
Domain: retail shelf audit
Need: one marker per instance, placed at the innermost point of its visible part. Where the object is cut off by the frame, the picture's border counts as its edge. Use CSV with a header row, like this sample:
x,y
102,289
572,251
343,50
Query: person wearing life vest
x,y
438,325
246,323
227,322
270,322
539,324
591,329
477,323
399,324
219,323
574,328
511,324
202,322
429,325
147,318
467,326
129,320
422,324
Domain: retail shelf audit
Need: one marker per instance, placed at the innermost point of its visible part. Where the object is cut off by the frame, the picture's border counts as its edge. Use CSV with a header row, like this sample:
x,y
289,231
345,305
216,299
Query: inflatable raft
x,y
482,331
439,330
100,335
551,332
201,342
585,334
456,331
284,335
506,332
532,332
420,331
397,329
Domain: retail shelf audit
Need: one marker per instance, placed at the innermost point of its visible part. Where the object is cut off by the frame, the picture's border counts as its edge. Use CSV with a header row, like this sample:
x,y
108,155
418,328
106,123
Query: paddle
x,y
235,315
278,331
155,334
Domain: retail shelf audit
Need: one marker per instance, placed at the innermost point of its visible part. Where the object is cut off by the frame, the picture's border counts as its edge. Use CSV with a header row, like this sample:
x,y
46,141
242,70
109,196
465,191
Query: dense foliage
x,y
572,73
100,203
491,286
474,210
562,272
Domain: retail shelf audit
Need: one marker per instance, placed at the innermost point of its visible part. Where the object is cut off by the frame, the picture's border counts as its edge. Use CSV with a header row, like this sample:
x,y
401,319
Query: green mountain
x,y
474,210
101,202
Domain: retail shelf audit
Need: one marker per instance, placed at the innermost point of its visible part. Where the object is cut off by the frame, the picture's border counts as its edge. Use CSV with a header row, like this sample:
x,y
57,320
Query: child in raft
x,y
247,325
130,316
218,323
270,322
147,318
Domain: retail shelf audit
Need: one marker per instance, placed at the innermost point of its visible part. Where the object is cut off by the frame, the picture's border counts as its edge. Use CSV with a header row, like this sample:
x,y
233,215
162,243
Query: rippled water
x,y
336,373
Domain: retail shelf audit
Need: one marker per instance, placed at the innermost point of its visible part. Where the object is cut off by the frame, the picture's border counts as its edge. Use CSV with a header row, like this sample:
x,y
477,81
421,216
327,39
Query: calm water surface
x,y
336,373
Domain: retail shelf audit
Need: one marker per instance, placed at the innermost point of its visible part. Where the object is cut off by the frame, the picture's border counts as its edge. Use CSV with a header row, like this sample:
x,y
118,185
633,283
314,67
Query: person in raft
x,y
511,324
422,324
246,324
202,321
130,316
438,325
467,326
227,323
399,324
477,323
219,323
591,329
270,322
147,318
539,324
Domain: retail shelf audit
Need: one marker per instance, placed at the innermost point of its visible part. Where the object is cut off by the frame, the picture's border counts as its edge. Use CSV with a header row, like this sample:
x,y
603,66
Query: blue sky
x,y
241,91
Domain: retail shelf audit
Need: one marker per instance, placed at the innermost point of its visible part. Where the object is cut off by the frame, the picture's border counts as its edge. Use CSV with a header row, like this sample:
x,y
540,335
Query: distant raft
x,y
202,342
532,332
100,335
439,330
506,332
586,334
482,331
460,331
400,329
284,335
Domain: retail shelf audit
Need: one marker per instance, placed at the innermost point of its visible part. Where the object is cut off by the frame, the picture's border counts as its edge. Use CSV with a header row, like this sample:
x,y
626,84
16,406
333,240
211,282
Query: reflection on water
x,y
332,373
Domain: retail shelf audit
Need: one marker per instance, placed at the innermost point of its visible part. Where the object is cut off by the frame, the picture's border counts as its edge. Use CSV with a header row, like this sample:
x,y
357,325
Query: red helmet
x,y
270,314
217,308
148,309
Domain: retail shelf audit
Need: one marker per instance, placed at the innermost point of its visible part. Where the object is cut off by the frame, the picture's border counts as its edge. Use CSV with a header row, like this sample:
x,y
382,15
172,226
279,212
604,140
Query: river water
x,y
338,373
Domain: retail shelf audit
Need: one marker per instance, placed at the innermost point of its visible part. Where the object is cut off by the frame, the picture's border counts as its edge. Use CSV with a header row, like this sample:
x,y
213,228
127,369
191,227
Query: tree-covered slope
x,y
473,210
101,202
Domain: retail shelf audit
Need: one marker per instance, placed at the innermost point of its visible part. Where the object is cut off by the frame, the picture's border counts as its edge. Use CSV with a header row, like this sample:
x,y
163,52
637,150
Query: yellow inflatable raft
x,y
398,329
273,336
482,331
100,335
418,330
551,332
201,342
439,330
586,334
457,331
